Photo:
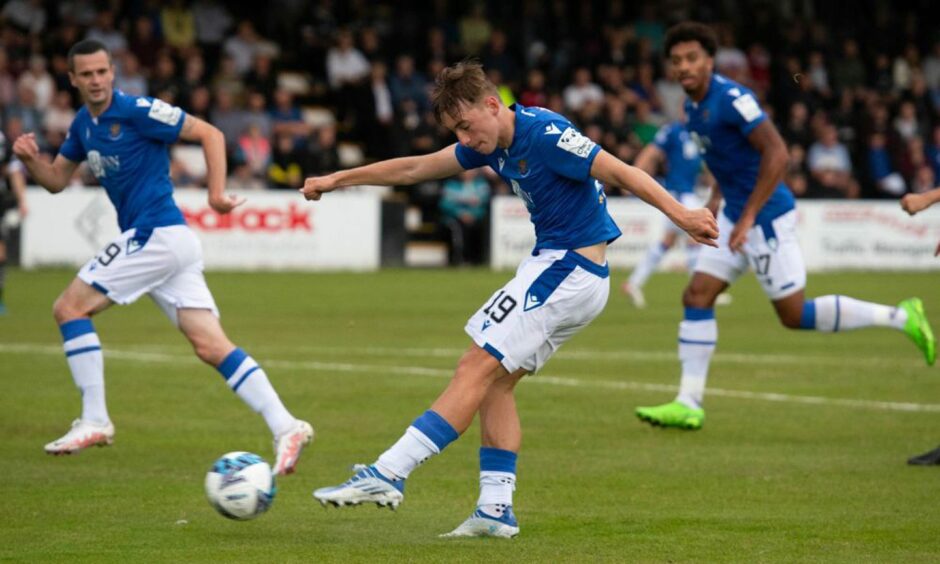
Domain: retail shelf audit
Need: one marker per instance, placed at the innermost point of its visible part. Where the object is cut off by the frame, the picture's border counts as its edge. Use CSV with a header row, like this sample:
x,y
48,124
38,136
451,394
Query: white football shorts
x,y
164,262
553,296
773,252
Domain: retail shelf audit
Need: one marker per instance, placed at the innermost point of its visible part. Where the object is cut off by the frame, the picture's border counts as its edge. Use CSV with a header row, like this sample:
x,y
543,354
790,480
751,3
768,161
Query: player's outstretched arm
x,y
53,177
913,203
404,171
213,147
700,223
773,165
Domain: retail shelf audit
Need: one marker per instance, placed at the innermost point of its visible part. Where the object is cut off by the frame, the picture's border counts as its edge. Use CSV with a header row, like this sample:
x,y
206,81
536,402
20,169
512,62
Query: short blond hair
x,y
462,83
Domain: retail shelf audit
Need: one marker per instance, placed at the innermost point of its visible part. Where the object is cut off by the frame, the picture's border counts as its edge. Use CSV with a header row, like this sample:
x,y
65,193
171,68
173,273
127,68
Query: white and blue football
x,y
240,485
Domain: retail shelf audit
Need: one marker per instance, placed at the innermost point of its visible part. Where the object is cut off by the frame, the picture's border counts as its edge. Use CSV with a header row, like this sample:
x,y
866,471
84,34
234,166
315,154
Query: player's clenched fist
x,y
316,186
701,225
25,147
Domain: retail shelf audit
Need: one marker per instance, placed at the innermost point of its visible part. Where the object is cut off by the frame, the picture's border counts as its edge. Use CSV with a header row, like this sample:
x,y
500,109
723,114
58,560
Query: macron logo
x,y
486,324
531,301
550,129
501,163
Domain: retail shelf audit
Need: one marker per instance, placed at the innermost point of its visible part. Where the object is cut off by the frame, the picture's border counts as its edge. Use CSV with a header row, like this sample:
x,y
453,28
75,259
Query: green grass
x,y
763,481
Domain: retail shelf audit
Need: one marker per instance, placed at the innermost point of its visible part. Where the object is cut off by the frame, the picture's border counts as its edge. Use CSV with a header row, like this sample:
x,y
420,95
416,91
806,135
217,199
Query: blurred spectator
x,y
212,20
831,167
144,43
60,72
379,125
78,12
194,75
38,79
645,124
254,149
888,181
261,77
906,124
257,114
758,61
534,93
28,16
58,118
819,75
228,118
848,71
24,110
228,79
323,153
199,103
178,24
797,130
904,66
670,94
475,29
245,45
345,65
286,118
495,56
128,78
286,167
924,180
463,206
105,32
407,83
932,67
582,91
644,86
164,83
730,60
7,81
796,175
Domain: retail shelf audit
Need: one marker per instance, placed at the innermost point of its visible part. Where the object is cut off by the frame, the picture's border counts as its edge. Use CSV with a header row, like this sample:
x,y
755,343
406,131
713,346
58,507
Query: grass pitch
x,y
802,456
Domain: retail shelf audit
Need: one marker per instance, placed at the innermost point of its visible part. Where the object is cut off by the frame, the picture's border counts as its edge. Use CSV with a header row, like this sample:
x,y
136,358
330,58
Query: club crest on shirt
x,y
114,132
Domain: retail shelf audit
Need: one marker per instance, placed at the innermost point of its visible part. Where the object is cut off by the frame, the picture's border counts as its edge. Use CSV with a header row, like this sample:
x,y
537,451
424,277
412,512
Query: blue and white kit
x,y
683,165
724,118
556,291
126,148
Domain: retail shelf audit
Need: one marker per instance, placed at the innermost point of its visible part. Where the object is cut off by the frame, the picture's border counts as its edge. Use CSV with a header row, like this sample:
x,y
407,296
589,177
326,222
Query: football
x,y
240,485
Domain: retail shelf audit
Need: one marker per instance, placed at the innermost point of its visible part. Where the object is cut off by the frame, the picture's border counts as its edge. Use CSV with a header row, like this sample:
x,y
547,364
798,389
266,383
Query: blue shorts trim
x,y
492,350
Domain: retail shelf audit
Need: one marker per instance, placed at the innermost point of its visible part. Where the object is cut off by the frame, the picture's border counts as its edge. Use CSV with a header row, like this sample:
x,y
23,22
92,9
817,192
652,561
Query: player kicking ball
x,y
556,292
747,157
124,139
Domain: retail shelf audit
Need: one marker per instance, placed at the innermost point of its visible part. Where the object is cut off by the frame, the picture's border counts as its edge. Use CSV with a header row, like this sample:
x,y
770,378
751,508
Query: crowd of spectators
x,y
302,88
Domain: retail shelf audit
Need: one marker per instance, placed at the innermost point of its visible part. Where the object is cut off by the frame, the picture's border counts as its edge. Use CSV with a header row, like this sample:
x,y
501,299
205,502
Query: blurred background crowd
x,y
304,87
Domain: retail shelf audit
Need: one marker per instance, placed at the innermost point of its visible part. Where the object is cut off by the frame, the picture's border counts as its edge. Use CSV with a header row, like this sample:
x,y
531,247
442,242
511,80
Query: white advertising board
x,y
872,235
272,230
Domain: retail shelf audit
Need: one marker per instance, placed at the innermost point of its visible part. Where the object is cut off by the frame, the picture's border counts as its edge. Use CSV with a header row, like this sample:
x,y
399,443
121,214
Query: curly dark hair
x,y
691,31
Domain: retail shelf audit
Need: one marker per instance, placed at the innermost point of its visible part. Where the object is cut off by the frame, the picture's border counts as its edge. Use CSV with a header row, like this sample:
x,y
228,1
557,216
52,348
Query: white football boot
x,y
481,524
83,434
367,485
289,445
635,293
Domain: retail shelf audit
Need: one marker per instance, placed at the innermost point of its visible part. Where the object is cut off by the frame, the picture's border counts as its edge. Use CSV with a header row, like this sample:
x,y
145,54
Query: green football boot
x,y
918,328
673,414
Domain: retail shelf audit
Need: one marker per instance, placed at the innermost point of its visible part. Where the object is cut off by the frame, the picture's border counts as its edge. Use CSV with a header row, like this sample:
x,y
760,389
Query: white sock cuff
x,y
423,439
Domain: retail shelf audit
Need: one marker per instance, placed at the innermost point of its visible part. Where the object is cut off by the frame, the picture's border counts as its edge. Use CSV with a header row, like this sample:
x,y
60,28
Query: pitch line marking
x,y
565,381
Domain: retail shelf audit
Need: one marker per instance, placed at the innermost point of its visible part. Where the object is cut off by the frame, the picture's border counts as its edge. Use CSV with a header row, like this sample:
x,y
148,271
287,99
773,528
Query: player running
x,y
912,204
125,141
747,157
674,150
556,292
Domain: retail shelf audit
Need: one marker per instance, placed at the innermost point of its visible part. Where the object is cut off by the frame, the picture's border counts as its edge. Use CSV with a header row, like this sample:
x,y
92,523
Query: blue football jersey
x,y
720,124
548,165
683,160
127,149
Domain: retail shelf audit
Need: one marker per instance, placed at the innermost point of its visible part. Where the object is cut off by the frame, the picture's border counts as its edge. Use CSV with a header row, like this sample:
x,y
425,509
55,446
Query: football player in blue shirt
x,y
557,291
124,139
674,150
747,157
